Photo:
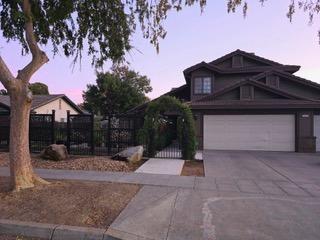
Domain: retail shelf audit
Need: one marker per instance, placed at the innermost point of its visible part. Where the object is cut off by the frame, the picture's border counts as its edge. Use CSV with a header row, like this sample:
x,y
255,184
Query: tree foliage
x,y
38,88
116,91
310,7
104,27
150,134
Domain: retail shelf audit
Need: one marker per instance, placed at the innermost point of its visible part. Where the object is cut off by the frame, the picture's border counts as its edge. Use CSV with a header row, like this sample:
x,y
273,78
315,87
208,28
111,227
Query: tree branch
x,y
39,58
6,76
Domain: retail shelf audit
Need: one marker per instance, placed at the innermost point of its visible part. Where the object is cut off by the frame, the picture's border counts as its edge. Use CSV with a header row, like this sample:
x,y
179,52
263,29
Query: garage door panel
x,y
249,132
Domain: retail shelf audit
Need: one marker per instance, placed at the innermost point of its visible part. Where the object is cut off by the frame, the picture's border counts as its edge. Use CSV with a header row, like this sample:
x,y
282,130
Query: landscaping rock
x,y
56,152
130,154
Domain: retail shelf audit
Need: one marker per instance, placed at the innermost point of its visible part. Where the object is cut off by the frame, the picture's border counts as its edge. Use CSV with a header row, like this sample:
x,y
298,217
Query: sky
x,y
193,37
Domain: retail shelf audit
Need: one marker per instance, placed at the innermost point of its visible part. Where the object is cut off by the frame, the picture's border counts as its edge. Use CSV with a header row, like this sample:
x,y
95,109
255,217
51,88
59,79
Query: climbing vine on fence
x,y
185,126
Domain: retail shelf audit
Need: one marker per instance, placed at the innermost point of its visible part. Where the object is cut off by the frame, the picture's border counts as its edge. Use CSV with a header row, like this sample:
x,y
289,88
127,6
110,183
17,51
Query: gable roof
x,y
40,100
287,76
254,83
213,65
251,56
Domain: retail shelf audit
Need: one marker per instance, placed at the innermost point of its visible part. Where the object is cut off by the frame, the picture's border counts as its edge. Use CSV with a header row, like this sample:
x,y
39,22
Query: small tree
x,y
186,132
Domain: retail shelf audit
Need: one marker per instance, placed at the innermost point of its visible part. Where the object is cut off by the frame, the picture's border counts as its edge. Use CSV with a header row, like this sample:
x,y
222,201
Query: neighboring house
x,y
44,104
245,102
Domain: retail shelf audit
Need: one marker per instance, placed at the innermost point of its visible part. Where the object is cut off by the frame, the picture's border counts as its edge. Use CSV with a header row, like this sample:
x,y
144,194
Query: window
x,y
202,85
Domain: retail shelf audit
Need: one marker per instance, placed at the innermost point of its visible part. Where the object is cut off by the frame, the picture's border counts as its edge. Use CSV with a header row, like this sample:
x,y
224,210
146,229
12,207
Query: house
x,y
44,104
245,102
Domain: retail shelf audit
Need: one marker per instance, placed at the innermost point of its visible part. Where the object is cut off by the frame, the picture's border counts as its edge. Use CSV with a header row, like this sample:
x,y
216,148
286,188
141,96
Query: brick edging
x,y
52,231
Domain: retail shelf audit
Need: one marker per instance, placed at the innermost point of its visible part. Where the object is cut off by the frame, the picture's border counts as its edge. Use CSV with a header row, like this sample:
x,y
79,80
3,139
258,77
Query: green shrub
x,y
154,140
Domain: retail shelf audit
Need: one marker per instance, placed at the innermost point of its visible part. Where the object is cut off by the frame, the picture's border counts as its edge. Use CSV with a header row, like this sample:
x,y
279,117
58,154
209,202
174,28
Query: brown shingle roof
x,y
248,55
256,104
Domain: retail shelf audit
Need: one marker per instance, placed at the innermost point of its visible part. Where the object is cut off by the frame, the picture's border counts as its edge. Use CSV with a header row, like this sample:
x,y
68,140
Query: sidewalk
x,y
170,207
264,187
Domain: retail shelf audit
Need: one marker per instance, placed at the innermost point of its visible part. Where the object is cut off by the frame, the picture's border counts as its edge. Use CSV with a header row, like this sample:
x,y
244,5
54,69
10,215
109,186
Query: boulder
x,y
130,154
56,152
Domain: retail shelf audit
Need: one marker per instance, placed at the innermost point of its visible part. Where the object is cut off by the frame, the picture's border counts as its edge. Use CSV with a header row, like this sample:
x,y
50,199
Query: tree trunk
x,y
22,175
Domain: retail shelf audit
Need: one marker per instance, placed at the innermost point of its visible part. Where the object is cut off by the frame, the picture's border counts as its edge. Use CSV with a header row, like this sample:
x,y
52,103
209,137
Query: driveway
x,y
273,166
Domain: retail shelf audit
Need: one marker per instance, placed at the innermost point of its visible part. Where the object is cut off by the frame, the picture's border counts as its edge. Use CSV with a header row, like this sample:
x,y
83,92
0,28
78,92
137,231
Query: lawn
x,y
95,163
78,203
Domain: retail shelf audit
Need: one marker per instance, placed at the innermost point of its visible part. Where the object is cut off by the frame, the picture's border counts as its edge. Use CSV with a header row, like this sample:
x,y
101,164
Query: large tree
x,y
116,92
103,28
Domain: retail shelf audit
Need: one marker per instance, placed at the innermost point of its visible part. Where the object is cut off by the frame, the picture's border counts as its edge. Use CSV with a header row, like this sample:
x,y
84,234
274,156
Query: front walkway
x,y
162,166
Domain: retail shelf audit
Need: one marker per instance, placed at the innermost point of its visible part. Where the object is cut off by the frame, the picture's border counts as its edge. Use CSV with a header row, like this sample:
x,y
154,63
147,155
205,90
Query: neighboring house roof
x,y
41,100
4,107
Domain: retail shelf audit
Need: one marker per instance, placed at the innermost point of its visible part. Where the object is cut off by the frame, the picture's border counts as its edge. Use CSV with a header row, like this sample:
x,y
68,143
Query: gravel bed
x,y
94,163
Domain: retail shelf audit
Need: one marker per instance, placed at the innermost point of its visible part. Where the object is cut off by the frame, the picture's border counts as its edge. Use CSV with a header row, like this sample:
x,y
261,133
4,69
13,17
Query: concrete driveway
x,y
295,167
244,196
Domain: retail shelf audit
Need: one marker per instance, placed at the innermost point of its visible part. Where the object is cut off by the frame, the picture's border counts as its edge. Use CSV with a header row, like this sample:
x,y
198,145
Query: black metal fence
x,y
83,136
79,133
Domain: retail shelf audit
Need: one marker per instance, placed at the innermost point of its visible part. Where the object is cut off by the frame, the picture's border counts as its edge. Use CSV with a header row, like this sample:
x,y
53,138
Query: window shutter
x,y
246,92
237,61
273,81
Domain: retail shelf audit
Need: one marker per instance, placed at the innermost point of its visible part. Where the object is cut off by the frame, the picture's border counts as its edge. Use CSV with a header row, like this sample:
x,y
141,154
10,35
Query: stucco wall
x,y
61,112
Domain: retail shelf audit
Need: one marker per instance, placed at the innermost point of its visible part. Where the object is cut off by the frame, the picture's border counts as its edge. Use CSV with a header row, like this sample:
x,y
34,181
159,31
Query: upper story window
x,y
202,85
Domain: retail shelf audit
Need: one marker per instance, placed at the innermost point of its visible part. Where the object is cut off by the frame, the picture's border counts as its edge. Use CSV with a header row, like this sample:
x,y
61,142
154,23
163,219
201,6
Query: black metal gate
x,y
167,143
41,131
80,139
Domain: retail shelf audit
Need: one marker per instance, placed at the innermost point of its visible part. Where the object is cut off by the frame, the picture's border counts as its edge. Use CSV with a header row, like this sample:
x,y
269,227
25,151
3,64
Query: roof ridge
x,y
250,55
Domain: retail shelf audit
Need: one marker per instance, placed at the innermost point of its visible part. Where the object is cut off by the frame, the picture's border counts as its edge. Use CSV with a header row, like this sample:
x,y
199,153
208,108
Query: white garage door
x,y
317,131
249,132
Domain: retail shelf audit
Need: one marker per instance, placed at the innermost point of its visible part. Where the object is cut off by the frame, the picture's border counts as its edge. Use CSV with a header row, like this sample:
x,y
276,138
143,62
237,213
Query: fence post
x,y
92,134
109,135
53,121
68,131
134,131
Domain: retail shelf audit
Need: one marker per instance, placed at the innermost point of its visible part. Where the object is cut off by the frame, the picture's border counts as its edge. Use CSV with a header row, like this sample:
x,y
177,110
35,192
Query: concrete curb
x,y
52,231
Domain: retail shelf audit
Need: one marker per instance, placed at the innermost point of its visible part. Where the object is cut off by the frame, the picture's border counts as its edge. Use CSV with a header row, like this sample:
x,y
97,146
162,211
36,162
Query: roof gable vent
x,y
237,61
272,80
